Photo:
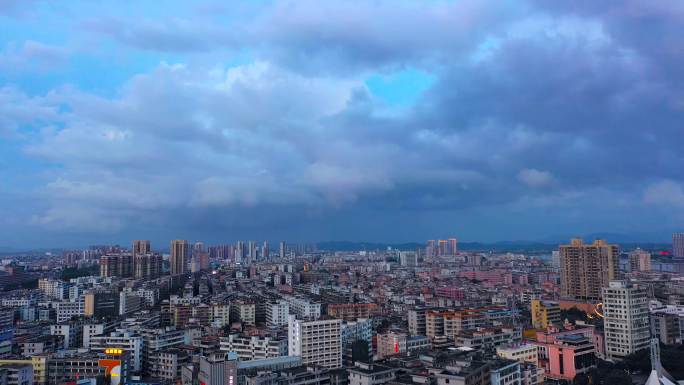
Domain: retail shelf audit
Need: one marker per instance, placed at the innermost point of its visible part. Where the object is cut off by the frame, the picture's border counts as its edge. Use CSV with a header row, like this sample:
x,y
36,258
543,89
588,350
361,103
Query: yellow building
x,y
544,313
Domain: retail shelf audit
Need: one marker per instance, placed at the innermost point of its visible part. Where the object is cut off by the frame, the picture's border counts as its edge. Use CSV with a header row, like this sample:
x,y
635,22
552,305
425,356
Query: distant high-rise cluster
x,y
441,248
140,263
586,268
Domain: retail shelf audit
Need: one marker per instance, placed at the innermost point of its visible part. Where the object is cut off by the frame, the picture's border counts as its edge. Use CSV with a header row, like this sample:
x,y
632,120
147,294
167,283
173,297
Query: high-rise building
x,y
141,247
252,254
239,252
442,247
282,249
639,260
586,268
147,265
221,252
204,261
626,319
265,252
317,342
116,265
430,249
555,259
198,247
453,248
678,246
179,256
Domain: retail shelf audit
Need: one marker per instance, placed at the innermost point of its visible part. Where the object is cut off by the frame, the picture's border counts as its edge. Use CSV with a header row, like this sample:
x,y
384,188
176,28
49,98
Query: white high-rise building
x,y
626,319
316,342
408,258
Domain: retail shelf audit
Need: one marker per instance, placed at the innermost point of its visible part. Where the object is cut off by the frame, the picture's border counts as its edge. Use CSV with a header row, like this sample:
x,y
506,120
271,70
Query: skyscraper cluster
x,y
441,248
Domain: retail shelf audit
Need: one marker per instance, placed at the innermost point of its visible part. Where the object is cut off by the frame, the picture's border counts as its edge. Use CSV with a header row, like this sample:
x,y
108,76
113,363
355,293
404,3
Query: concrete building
x,y
639,260
141,247
626,319
544,313
218,369
371,374
408,259
504,372
586,268
130,342
391,344
116,265
220,314
92,329
488,338
253,347
101,303
67,310
244,312
666,327
519,352
167,364
299,375
465,372
678,247
317,342
277,312
356,332
17,374
352,311
303,308
147,266
565,355
417,321
179,257
53,288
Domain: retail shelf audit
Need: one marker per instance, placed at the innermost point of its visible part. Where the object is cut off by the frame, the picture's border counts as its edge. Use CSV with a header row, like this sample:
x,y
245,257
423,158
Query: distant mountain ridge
x,y
501,246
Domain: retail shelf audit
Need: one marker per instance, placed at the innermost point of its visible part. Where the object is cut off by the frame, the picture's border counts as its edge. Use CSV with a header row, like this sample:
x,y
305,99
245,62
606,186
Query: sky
x,y
310,120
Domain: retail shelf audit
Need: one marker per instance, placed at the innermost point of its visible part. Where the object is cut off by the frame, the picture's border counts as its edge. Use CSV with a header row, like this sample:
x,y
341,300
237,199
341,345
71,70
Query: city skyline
x,y
273,120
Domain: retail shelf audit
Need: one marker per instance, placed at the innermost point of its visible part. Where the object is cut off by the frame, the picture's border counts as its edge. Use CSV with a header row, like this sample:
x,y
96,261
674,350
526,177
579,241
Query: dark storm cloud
x,y
538,114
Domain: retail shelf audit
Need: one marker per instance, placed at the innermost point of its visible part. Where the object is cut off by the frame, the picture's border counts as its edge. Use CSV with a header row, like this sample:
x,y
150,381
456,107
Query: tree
x,y
573,315
617,377
581,379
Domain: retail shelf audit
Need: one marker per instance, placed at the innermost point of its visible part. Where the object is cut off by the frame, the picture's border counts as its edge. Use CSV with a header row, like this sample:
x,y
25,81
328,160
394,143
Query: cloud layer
x,y
259,121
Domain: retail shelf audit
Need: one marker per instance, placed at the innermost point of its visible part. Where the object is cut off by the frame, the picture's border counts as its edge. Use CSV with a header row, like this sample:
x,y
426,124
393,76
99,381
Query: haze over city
x,y
387,121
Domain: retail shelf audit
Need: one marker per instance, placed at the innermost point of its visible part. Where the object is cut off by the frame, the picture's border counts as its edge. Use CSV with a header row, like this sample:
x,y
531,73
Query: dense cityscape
x,y
249,314
341,192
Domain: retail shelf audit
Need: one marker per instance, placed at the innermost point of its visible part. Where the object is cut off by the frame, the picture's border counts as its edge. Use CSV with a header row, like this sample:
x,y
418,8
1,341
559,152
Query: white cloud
x,y
666,192
535,178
